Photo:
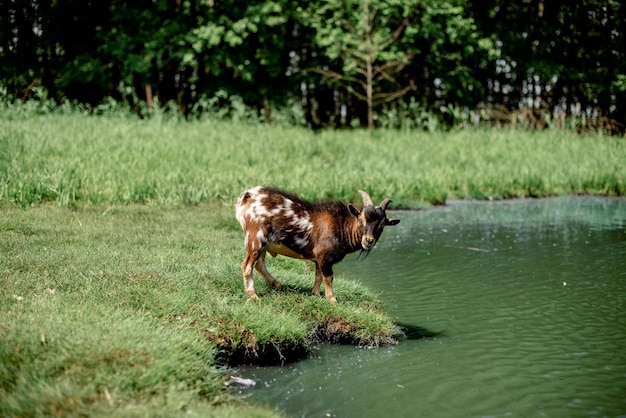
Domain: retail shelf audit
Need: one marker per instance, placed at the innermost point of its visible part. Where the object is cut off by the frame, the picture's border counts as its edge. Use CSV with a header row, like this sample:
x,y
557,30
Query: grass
x,y
130,309
73,159
119,251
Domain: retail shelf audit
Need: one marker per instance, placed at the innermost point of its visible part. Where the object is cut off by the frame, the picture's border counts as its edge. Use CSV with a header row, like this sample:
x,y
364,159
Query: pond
x,y
515,308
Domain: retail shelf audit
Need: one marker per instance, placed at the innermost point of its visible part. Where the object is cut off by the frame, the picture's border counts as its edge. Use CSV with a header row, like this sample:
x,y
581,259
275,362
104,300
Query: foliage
x,y
560,58
364,38
565,54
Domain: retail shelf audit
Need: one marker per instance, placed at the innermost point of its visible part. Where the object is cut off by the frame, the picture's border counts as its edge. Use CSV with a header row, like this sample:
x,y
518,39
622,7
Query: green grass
x,y
126,309
120,254
74,159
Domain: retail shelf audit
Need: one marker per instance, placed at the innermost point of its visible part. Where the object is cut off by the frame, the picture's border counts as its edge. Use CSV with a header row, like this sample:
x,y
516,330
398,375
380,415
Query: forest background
x,y
402,64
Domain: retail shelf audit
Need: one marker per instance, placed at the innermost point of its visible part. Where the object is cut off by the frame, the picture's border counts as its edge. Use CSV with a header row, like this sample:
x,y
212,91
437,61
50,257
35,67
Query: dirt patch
x,y
333,331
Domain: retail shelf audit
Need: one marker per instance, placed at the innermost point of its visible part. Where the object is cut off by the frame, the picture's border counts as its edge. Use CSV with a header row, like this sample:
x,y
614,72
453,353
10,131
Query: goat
x,y
278,222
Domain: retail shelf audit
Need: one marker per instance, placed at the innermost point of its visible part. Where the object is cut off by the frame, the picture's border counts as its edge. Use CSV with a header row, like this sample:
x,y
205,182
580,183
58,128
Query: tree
x,y
373,55
559,56
453,54
243,48
365,39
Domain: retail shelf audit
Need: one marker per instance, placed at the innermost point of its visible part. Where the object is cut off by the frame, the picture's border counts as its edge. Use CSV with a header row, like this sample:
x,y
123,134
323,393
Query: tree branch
x,y
396,66
390,97
358,95
330,74
395,35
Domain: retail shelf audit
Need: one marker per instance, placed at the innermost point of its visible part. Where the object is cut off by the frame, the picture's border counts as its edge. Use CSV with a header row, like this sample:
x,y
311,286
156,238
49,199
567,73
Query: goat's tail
x,y
243,197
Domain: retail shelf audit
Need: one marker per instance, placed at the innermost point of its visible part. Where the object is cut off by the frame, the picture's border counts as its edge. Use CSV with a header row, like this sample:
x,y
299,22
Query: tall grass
x,y
75,159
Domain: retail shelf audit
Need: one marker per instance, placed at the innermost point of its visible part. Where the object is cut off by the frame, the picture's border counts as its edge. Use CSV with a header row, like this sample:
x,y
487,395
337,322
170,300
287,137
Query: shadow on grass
x,y
342,295
296,288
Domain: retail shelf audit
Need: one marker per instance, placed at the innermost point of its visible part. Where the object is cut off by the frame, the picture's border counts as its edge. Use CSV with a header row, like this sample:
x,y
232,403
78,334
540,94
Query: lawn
x,y
123,309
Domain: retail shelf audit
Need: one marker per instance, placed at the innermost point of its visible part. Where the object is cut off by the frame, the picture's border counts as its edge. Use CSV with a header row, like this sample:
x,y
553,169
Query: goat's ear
x,y
392,222
353,210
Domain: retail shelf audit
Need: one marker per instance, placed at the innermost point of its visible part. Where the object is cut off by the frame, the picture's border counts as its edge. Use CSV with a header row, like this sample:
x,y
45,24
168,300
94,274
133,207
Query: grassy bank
x,y
74,159
120,254
128,310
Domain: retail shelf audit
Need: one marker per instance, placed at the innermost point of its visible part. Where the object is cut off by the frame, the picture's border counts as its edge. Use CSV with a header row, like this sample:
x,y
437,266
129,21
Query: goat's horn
x,y
367,200
384,203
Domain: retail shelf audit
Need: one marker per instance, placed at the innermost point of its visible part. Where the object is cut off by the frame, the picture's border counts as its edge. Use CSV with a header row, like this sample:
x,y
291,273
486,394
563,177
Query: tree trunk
x,y
368,69
267,110
370,104
149,98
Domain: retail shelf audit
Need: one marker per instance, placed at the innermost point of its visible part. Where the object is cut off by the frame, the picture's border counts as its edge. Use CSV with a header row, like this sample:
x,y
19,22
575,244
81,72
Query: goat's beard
x,y
363,253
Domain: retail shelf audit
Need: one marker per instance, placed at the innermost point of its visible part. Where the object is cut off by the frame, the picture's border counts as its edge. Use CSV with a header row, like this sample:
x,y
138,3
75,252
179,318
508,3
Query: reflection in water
x,y
511,308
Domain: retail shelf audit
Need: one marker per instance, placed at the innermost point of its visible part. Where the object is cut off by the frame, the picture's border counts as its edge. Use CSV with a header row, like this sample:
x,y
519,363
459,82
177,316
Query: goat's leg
x,y
260,267
318,281
255,249
327,274
247,269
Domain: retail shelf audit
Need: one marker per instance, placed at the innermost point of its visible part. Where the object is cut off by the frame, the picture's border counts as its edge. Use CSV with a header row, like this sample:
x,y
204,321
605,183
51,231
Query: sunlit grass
x,y
113,309
74,159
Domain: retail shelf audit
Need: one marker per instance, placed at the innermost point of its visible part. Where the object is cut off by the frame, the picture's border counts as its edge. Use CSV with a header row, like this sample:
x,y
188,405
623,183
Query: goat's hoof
x,y
252,295
333,300
278,285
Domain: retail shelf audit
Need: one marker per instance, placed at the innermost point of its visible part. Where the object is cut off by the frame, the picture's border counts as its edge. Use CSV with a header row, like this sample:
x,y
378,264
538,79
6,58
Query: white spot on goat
x,y
303,223
258,210
301,242
260,235
275,212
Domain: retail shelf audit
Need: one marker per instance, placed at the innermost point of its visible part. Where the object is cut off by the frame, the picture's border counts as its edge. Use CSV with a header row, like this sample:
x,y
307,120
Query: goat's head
x,y
372,220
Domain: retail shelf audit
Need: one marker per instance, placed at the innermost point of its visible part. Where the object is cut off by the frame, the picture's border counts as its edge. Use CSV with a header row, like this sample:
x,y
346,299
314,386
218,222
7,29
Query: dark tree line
x,y
340,62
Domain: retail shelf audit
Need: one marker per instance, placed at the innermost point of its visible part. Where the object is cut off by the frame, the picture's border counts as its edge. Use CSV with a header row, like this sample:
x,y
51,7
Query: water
x,y
519,307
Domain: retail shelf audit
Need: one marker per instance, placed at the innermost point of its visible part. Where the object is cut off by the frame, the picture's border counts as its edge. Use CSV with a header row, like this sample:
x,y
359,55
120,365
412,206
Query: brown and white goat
x,y
280,223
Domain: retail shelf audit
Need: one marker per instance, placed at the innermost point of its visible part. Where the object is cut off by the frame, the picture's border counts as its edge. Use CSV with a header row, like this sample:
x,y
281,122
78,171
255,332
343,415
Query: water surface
x,y
519,309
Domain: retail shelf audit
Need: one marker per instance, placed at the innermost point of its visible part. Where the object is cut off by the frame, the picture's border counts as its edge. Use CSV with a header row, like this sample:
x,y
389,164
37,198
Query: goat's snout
x,y
368,242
